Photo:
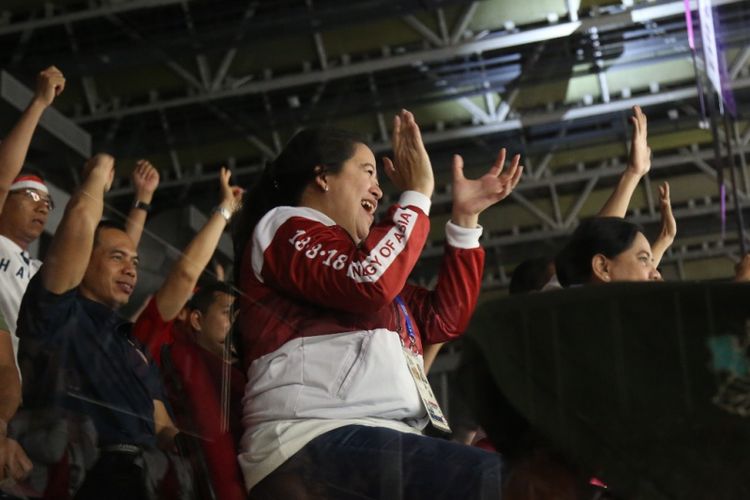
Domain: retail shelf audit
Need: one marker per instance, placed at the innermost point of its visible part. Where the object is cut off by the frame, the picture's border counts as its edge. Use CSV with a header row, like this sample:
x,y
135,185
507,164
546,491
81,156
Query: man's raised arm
x,y
145,181
70,250
15,145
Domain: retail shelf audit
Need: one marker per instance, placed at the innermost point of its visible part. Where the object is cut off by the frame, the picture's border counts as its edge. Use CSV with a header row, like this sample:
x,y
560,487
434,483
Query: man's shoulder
x,y
42,309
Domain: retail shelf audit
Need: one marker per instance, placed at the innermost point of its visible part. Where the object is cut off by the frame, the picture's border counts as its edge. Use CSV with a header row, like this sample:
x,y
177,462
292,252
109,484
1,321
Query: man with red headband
x,y
24,205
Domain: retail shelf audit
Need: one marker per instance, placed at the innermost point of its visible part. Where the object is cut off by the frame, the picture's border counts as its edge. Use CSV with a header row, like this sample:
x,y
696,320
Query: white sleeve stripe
x,y
462,237
417,199
266,229
372,267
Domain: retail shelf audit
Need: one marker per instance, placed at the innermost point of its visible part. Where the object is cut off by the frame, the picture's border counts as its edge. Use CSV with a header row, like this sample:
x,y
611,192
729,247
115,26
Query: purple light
x,y
723,201
689,24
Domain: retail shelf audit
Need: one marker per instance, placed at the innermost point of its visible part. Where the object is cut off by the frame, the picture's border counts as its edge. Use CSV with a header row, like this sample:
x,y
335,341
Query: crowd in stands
x,y
322,393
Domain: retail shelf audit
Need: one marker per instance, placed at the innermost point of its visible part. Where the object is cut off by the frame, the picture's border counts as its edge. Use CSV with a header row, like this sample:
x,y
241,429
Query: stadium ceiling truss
x,y
194,85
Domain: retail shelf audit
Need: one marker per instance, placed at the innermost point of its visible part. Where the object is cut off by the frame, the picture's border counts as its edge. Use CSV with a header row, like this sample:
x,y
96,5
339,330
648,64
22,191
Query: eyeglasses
x,y
36,197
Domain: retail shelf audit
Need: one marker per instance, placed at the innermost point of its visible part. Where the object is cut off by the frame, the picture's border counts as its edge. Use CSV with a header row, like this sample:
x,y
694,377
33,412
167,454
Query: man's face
x,y
212,327
24,215
112,271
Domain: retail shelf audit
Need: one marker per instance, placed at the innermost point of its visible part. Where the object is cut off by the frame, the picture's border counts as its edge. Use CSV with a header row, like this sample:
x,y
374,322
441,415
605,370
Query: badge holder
x,y
435,414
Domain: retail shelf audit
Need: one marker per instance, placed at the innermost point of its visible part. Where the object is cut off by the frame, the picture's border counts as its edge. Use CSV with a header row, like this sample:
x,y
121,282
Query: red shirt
x,y
197,405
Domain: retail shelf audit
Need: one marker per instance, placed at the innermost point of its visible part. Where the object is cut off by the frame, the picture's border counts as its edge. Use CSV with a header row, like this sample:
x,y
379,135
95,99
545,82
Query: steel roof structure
x,y
193,85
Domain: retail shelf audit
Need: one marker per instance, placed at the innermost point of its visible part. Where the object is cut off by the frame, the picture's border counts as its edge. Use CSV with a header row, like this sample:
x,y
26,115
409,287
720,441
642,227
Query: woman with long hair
x,y
332,333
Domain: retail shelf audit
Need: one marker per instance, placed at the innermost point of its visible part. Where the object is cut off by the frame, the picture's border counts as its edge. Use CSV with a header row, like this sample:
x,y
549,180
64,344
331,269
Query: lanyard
x,y
407,320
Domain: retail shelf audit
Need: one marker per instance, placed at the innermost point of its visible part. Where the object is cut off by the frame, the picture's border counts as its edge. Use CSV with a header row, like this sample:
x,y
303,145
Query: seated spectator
x,y
205,384
337,398
77,354
639,165
154,326
606,249
531,275
196,346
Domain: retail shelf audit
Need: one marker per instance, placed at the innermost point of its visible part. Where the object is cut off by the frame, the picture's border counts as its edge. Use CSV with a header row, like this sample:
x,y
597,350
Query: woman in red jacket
x,y
333,335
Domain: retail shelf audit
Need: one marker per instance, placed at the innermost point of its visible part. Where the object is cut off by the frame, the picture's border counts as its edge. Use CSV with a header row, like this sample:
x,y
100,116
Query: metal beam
x,y
183,73
318,39
52,121
169,139
20,50
528,205
576,208
229,55
573,6
423,30
555,203
477,113
442,26
739,63
489,103
112,8
463,22
524,37
707,169
565,115
223,70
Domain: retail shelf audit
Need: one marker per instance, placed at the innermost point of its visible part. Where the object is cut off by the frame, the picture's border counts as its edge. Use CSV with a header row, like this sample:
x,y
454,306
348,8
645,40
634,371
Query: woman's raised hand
x,y
411,168
231,196
472,196
640,153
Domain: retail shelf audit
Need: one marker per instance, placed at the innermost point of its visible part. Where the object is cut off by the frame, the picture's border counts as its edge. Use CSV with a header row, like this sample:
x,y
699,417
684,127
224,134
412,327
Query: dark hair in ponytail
x,y
609,236
283,180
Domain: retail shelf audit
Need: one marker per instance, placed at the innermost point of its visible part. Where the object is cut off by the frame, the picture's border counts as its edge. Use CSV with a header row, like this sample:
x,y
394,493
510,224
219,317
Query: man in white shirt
x,y
24,206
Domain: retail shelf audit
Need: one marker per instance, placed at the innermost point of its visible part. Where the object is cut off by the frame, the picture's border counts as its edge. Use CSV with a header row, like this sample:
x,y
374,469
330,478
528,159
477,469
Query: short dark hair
x,y
609,236
107,224
206,295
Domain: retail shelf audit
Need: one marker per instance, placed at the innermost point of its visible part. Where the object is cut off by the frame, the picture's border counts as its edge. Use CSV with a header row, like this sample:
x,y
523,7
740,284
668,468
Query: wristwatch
x,y
224,212
142,205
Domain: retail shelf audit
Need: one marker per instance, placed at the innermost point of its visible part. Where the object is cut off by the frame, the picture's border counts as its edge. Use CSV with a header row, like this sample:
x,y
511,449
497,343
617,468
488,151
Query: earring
x,y
326,188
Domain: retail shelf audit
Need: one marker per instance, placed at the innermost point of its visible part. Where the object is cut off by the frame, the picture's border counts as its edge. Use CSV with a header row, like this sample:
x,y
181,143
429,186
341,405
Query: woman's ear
x,y
600,268
195,320
320,178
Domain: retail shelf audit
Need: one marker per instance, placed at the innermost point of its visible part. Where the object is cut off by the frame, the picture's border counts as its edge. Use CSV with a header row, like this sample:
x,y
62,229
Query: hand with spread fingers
x,y
639,164
640,152
472,196
668,230
411,168
668,222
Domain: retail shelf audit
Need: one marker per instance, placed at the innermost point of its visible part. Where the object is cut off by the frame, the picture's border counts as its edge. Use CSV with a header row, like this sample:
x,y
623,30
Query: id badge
x,y
437,419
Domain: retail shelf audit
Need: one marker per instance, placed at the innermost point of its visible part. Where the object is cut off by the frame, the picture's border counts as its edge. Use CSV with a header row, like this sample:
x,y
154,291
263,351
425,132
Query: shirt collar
x,y
102,313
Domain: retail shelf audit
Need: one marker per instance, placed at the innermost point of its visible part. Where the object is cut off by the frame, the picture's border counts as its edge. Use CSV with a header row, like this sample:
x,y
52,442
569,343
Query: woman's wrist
x,y
469,221
224,211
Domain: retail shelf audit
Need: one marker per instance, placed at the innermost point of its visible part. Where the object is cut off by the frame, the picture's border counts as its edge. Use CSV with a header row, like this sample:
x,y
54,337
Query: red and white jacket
x,y
322,333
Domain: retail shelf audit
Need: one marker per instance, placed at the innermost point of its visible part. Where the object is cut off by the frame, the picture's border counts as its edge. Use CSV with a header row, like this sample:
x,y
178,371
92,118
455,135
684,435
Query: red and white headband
x,y
29,181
